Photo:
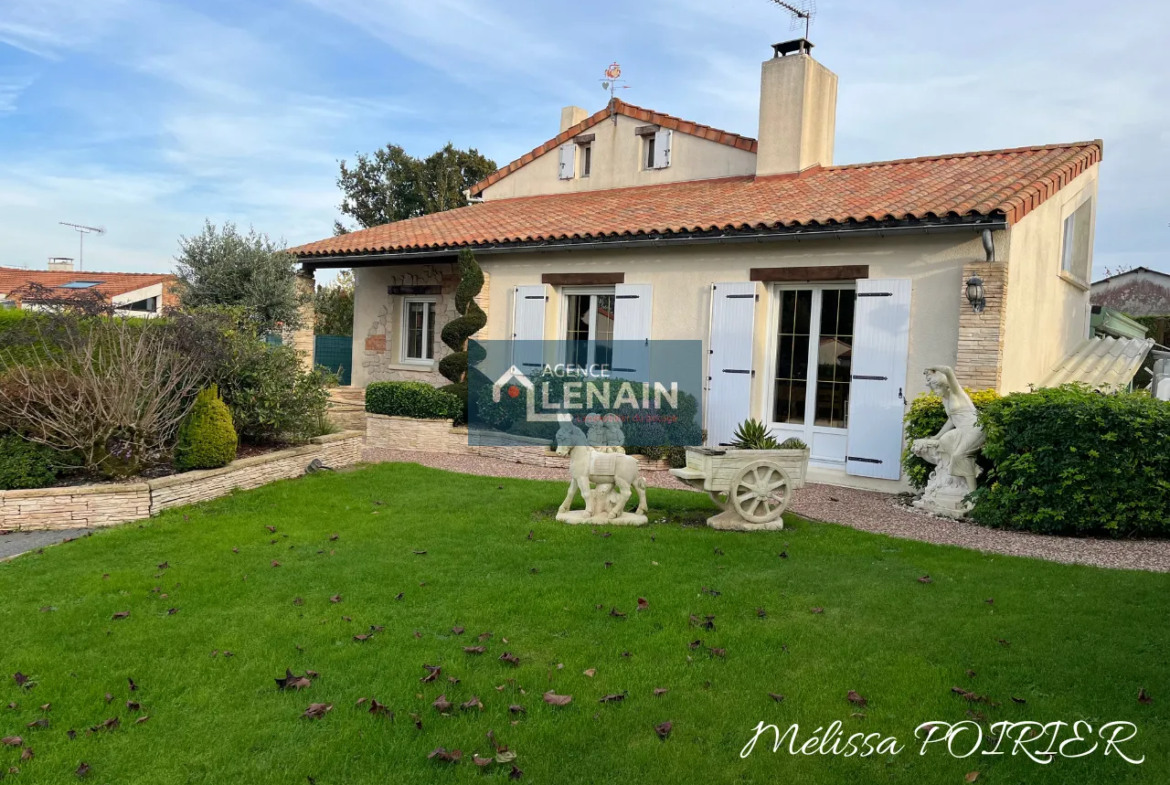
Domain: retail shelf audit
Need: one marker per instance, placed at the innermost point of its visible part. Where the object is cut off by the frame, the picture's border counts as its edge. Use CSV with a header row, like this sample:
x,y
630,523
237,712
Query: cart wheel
x,y
719,497
760,492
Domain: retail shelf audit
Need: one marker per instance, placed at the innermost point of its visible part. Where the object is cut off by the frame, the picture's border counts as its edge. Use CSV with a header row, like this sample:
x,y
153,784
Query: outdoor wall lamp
x,y
975,294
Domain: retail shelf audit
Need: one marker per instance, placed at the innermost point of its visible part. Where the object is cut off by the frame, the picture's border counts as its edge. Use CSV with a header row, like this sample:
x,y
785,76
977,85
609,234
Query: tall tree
x,y
221,266
391,185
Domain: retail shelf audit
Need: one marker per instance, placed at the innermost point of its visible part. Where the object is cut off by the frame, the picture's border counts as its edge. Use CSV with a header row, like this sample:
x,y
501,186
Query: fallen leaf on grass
x,y
1003,642
643,604
474,703
971,776
969,696
515,773
457,630
11,741
663,730
133,705
517,709
27,754
660,691
926,579
417,720
441,753
971,673
1143,696
142,719
271,529
474,649
990,601
616,613
510,658
442,704
122,615
776,697
1017,700
172,611
419,553
552,699
134,686
360,638
275,563
435,670
46,706
854,698
591,672
476,759
333,537
783,554
483,636
43,722
761,613
317,710
292,682
109,697
335,598
619,696
82,770
817,610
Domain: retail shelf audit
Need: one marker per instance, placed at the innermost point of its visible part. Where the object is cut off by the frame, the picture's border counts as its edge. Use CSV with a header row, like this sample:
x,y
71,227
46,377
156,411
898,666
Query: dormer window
x,y
655,146
586,159
648,144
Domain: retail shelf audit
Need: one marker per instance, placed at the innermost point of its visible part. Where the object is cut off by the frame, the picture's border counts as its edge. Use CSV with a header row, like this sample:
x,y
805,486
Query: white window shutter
x,y
662,142
729,359
631,330
877,395
568,161
528,326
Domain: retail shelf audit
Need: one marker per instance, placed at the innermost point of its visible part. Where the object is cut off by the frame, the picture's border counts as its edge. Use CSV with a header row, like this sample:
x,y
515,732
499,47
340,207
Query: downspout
x,y
988,245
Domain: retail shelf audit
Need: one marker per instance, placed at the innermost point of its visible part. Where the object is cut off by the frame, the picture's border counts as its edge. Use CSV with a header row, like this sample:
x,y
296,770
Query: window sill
x,y
413,365
1072,280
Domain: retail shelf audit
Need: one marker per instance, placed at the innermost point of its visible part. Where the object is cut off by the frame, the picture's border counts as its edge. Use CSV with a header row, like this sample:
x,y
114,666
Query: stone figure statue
x,y
605,479
605,433
952,450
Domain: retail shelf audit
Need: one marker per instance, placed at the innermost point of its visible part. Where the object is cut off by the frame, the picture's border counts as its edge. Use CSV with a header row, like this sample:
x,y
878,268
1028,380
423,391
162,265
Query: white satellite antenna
x,y
82,231
802,11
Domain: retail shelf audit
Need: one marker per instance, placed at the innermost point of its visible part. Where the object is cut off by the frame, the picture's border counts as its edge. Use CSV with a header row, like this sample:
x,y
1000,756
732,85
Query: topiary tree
x,y
207,439
471,320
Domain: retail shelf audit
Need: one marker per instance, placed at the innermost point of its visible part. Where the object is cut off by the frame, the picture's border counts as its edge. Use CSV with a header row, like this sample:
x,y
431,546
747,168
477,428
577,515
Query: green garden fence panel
x,y
335,352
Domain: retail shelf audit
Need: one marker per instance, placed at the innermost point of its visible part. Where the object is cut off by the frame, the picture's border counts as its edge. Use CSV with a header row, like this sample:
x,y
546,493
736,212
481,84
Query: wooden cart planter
x,y
752,487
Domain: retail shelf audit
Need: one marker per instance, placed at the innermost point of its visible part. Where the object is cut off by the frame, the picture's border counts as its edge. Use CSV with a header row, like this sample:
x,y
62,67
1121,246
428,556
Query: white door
x,y
631,331
810,368
528,327
729,359
877,405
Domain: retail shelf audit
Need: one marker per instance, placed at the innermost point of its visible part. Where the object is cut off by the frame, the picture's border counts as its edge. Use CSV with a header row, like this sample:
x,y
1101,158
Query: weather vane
x,y
613,82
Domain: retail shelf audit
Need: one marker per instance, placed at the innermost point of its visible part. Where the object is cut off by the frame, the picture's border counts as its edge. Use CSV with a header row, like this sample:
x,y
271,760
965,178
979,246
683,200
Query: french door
x,y
811,367
589,322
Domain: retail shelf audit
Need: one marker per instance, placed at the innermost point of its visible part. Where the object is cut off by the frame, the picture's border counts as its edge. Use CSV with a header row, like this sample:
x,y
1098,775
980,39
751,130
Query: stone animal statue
x,y
588,466
953,449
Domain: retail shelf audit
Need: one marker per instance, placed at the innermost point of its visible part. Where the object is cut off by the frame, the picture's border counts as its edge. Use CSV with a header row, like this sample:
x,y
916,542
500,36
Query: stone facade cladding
x,y
347,408
407,433
95,506
979,360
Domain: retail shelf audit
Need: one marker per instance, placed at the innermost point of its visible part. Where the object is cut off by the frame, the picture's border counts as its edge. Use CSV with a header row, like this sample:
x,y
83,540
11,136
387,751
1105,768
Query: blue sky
x,y
146,116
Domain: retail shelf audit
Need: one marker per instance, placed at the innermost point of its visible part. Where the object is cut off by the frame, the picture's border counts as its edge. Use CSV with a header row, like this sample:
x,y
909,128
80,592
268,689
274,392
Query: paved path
x,y
865,510
17,543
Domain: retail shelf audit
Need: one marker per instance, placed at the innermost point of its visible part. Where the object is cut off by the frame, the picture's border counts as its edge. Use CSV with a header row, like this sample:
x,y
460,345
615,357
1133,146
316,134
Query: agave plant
x,y
753,435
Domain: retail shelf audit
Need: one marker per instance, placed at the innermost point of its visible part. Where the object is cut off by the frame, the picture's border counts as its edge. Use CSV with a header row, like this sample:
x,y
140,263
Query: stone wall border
x,y
107,504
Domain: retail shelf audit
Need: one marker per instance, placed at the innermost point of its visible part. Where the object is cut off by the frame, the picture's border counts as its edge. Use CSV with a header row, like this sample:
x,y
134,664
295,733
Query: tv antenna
x,y
82,231
802,11
612,83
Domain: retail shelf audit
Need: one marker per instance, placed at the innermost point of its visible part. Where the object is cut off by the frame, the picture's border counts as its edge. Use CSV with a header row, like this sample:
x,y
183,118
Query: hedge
x,y
412,399
924,419
1071,460
24,464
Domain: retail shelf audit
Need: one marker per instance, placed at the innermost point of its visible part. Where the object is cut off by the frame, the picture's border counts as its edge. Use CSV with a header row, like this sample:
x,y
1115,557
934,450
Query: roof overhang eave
x,y
903,228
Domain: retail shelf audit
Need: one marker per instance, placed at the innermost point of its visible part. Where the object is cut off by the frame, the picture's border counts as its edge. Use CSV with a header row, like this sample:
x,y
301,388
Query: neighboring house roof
x,y
13,279
1102,363
1003,184
1137,292
629,110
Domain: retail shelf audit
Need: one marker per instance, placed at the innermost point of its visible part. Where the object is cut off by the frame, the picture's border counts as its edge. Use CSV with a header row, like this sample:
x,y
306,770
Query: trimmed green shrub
x,y
413,399
25,464
207,438
675,457
924,419
455,333
1071,460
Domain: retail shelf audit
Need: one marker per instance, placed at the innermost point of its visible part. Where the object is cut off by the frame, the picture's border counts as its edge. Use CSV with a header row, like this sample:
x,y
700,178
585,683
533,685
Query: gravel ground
x,y
15,543
865,510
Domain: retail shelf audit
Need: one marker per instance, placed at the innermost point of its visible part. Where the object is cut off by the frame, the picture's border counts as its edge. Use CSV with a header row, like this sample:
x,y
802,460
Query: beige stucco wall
x,y
618,162
682,278
1047,311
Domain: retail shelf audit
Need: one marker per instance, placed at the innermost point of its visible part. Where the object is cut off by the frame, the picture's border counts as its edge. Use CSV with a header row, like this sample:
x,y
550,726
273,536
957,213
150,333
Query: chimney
x,y
60,264
570,116
798,111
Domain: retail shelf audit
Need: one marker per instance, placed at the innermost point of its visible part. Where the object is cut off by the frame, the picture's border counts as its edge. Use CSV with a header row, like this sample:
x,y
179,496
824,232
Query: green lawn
x,y
1082,643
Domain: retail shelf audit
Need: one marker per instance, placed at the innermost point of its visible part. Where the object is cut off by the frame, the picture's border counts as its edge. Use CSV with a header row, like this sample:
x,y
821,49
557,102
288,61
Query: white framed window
x,y
589,321
648,145
1076,244
418,330
586,159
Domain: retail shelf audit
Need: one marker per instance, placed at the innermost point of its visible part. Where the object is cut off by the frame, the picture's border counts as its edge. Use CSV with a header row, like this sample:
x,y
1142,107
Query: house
x,y
1140,292
820,291
132,294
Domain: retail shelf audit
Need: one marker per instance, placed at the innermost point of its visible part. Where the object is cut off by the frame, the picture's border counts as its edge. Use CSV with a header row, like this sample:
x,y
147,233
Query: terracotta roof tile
x,y
1010,183
629,110
12,279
